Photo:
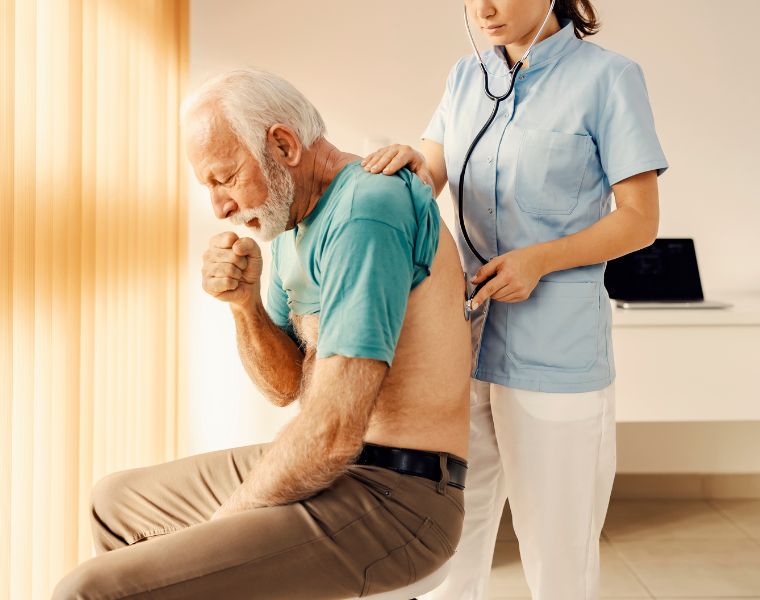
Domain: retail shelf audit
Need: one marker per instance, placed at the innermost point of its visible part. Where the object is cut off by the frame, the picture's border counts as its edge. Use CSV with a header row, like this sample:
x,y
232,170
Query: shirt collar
x,y
325,197
549,49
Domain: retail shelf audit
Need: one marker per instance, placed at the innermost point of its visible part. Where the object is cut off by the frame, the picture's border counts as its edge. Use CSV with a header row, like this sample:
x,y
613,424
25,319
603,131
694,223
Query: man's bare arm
x,y
270,356
315,448
231,273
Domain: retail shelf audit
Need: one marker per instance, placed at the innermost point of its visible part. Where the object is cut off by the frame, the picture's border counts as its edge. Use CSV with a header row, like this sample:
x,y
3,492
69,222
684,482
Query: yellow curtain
x,y
92,226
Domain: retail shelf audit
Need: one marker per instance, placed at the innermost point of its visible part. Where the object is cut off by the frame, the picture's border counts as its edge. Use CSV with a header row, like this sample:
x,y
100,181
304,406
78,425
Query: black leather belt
x,y
413,462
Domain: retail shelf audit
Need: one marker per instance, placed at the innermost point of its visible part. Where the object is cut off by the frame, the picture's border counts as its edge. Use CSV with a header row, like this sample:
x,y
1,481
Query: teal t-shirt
x,y
354,259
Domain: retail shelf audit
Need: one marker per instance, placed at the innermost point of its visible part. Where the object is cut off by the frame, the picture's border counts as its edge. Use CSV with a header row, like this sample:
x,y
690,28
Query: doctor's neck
x,y
516,49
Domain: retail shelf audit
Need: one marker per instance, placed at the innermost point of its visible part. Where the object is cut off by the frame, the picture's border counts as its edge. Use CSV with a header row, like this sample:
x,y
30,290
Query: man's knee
x,y
83,583
106,510
105,493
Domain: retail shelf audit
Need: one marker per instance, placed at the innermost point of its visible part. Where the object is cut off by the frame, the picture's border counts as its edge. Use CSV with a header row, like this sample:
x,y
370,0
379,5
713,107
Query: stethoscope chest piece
x,y
468,298
467,301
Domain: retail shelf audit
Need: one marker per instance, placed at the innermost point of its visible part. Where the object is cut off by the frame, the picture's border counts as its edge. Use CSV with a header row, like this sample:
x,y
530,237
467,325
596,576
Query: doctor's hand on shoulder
x,y
389,159
232,269
516,276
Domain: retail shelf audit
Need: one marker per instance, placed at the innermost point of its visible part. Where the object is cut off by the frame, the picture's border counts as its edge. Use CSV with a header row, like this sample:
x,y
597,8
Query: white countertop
x,y
745,311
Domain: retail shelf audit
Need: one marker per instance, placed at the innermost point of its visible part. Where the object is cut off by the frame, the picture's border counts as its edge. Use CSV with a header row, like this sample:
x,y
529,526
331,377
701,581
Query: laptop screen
x,y
665,271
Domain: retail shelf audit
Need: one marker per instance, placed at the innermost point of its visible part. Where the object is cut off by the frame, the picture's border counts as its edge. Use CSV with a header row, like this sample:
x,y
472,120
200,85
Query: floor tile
x,y
617,579
745,514
508,581
667,520
698,568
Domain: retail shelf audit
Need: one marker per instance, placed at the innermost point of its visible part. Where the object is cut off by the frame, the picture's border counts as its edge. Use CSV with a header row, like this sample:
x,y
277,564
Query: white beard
x,y
274,214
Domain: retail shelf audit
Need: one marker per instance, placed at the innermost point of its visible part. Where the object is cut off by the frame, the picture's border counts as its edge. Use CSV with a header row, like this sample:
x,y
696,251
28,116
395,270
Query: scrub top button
x,y
490,211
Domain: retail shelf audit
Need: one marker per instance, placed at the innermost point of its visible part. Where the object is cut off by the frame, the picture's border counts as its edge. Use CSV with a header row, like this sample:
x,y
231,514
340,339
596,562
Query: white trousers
x,y
553,456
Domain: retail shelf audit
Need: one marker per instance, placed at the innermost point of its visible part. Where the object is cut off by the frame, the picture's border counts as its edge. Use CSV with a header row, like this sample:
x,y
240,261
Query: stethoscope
x,y
512,74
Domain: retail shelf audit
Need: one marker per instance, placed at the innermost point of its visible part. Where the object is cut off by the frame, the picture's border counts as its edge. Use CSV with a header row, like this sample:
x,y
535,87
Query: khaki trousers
x,y
372,530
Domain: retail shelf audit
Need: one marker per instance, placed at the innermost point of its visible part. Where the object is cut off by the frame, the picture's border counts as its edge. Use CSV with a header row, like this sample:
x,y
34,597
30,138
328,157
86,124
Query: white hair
x,y
251,101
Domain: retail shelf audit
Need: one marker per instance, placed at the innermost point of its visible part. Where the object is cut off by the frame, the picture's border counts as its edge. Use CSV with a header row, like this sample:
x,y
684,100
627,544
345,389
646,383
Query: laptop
x,y
663,275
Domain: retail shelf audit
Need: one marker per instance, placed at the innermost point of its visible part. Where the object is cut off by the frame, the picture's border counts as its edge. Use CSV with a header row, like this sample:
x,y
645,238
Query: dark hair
x,y
581,13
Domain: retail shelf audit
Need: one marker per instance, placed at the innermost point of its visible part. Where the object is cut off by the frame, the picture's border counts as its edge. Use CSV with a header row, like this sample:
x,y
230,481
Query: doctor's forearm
x,y
270,357
633,225
621,232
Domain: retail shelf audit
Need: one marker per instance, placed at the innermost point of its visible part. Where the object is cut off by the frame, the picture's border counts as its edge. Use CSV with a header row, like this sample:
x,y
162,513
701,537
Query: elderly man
x,y
362,491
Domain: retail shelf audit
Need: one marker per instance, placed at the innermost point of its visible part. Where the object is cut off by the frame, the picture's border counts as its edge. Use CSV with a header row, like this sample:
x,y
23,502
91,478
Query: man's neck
x,y
321,163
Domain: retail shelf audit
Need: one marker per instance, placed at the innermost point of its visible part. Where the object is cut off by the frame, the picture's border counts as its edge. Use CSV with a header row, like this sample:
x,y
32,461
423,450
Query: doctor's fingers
x,y
382,159
415,163
487,270
219,255
391,159
496,286
511,295
370,159
406,156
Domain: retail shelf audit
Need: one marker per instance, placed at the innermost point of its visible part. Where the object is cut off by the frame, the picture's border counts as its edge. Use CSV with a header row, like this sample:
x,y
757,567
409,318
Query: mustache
x,y
242,217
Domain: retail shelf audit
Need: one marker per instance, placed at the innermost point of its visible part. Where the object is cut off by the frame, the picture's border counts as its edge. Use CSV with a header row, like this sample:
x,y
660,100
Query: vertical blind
x,y
92,226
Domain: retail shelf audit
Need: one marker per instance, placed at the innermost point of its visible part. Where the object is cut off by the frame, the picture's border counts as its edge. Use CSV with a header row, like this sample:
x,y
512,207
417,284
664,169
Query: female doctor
x,y
577,127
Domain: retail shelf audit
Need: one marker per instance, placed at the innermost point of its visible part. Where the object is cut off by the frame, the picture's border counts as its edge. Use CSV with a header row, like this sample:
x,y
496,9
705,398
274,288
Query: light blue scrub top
x,y
578,122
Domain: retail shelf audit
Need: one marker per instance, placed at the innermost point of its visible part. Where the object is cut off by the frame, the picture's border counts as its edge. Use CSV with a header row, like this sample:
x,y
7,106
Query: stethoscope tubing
x,y
497,100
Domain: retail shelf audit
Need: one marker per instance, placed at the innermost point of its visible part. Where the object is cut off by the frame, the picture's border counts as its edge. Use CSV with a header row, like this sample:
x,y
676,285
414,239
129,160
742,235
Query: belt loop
x,y
443,461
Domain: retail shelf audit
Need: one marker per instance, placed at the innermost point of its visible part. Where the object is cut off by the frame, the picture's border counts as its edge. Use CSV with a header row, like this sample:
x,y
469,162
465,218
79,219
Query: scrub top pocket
x,y
556,328
550,170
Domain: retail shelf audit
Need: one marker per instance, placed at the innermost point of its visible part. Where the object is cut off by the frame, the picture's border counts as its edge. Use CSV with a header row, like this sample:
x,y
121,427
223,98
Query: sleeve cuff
x,y
618,175
371,352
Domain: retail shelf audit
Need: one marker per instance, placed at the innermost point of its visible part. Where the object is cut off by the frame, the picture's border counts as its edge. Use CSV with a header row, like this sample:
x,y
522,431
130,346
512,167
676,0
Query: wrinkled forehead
x,y
209,140
206,128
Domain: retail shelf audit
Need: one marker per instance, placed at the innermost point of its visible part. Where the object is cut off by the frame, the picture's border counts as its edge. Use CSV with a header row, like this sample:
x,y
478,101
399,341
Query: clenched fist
x,y
232,269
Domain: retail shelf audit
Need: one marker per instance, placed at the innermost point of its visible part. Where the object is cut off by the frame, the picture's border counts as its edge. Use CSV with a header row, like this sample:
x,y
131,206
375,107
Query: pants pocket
x,y
416,559
379,479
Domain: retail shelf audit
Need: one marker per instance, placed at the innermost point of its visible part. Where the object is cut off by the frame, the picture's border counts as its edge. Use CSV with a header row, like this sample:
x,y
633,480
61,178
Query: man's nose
x,y
223,205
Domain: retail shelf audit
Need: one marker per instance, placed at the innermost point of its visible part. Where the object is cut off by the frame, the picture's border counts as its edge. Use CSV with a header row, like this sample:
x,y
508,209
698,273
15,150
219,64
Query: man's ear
x,y
284,144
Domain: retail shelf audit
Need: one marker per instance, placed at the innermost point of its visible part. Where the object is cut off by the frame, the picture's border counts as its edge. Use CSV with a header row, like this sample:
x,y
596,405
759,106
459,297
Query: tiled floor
x,y
664,549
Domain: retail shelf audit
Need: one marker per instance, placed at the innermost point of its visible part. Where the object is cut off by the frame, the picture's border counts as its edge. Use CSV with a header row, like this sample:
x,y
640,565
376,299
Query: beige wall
x,y
376,71
697,56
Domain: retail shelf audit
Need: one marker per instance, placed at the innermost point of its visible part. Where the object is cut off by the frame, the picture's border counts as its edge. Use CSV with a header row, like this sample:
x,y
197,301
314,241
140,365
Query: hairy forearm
x,y
270,357
315,448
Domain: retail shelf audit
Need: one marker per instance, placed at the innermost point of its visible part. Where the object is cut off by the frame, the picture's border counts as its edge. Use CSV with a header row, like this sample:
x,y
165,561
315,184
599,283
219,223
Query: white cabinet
x,y
689,365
